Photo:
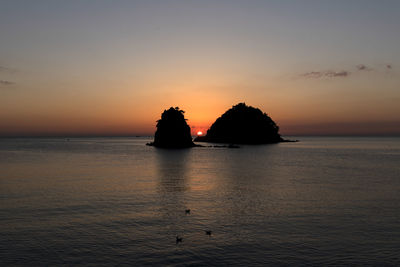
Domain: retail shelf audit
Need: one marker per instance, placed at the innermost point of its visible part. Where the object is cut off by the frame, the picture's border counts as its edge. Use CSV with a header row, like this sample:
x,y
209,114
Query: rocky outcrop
x,y
243,124
172,130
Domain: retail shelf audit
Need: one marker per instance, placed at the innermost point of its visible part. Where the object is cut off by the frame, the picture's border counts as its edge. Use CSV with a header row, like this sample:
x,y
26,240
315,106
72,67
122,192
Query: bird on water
x,y
187,211
178,239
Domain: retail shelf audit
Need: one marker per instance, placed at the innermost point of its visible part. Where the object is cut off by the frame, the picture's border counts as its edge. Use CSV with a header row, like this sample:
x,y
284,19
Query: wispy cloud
x,y
326,74
6,83
343,73
7,69
362,67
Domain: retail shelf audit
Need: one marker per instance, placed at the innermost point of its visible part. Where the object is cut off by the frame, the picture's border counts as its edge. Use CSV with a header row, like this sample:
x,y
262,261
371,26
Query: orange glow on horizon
x,y
127,111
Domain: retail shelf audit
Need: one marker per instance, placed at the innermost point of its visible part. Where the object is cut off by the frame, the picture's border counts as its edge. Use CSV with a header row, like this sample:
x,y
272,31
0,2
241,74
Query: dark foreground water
x,y
115,201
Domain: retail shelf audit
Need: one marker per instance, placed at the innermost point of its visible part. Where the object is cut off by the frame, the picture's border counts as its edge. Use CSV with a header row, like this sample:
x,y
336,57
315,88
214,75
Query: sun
x,y
199,133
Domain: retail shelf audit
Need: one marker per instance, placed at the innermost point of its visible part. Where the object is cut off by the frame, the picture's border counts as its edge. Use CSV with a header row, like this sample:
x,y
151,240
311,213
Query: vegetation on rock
x,y
172,130
243,124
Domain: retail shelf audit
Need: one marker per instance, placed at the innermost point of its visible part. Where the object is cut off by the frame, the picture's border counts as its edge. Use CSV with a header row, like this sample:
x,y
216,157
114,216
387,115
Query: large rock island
x,y
172,130
243,124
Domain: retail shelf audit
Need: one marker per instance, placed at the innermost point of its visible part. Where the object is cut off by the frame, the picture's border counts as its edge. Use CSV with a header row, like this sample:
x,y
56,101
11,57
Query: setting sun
x,y
199,133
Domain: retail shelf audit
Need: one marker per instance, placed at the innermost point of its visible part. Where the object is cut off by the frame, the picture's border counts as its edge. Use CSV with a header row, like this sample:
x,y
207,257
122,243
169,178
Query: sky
x,y
111,67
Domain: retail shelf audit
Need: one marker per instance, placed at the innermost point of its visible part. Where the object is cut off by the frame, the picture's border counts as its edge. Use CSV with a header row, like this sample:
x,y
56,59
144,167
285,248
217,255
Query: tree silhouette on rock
x,y
172,130
243,124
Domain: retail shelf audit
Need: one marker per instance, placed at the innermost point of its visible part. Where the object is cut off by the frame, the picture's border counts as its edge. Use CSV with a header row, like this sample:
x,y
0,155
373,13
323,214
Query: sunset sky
x,y
111,67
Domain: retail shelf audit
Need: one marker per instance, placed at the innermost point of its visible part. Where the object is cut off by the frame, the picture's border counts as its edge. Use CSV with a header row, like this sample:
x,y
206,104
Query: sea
x,y
116,202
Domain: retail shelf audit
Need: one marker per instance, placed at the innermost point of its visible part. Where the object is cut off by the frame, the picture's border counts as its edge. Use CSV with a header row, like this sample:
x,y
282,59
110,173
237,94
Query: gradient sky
x,y
112,67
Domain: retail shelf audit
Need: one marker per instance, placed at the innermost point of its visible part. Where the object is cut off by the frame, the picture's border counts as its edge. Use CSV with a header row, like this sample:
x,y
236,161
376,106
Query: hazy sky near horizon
x,y
112,67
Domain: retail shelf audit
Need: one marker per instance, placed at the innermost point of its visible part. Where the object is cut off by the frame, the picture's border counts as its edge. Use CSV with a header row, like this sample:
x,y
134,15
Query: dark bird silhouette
x,y
187,211
178,239
208,232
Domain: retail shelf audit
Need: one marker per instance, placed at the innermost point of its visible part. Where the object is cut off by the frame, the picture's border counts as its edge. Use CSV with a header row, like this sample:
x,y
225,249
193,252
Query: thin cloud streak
x,y
327,74
7,69
340,74
6,83
362,67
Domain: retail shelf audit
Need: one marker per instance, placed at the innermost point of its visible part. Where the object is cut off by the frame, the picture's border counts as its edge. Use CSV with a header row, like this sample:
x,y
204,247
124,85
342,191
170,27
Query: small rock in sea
x,y
172,130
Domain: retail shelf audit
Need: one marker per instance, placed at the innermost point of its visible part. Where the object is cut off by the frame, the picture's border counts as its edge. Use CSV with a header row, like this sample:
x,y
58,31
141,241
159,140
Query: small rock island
x,y
172,130
243,124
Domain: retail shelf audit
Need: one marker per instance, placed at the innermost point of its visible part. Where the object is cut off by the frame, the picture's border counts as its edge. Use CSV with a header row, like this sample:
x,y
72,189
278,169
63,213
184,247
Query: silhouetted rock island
x,y
243,124
172,130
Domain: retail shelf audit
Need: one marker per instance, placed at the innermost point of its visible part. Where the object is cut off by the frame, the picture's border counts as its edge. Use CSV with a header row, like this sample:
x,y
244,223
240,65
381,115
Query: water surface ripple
x,y
115,201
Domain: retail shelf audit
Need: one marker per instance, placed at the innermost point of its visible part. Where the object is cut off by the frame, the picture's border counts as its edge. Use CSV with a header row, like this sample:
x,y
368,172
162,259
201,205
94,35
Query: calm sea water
x,y
115,201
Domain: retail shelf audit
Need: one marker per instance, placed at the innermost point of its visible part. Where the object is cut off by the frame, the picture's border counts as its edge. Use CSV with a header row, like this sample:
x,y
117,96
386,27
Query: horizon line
x,y
152,135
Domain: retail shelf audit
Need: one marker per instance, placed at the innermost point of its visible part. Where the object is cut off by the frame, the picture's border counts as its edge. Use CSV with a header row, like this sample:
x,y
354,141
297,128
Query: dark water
x,y
115,201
